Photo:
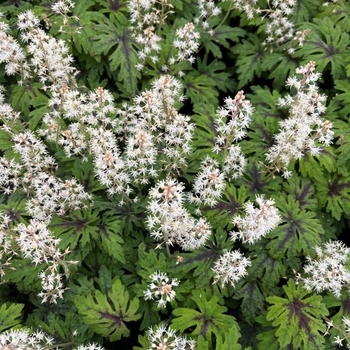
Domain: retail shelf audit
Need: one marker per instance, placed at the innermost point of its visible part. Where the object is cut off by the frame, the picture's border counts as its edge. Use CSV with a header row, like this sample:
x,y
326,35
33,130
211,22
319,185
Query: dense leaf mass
x,y
174,174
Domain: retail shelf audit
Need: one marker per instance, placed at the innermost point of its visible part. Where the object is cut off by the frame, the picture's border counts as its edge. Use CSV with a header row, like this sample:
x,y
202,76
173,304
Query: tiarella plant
x,y
174,174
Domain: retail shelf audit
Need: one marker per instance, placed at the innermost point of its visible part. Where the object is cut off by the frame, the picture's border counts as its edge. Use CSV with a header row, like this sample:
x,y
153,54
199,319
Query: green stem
x,y
226,16
55,346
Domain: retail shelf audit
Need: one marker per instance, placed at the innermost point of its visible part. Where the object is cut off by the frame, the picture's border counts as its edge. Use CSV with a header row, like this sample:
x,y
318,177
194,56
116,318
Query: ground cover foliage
x,y
174,174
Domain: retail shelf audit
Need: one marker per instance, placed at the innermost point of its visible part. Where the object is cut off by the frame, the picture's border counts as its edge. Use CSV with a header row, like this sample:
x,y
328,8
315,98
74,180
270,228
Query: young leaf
x,y
107,314
201,261
216,72
280,65
149,261
297,318
10,315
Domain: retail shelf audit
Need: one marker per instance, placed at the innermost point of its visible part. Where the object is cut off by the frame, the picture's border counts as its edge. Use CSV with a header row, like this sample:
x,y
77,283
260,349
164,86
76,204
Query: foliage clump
x,y
174,174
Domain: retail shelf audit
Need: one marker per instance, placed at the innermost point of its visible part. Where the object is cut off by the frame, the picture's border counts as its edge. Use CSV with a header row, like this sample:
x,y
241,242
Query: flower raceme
x,y
257,222
304,130
170,222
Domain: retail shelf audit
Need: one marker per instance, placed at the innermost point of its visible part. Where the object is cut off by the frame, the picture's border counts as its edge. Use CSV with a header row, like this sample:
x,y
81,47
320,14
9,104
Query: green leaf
x,y
5,140
25,275
333,193
230,342
107,314
314,167
299,232
326,43
209,320
149,261
110,239
264,123
342,97
200,88
204,133
268,340
305,11
249,56
10,316
302,190
115,42
83,40
216,72
297,318
280,66
227,206
77,231
200,261
222,36
23,97
253,302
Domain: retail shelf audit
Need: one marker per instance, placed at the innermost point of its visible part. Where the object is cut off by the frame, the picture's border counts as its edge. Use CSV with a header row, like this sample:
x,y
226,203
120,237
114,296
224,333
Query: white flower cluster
x,y
50,194
6,251
163,338
62,7
170,222
257,222
232,120
234,162
12,54
332,2
50,59
206,10
209,183
38,244
90,346
186,42
154,132
109,165
346,333
25,339
304,127
230,267
93,132
161,289
145,17
328,270
280,28
245,6
9,175
79,110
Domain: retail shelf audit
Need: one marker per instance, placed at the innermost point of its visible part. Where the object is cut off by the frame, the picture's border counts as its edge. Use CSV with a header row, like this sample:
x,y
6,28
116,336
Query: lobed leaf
x,y
106,314
10,316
